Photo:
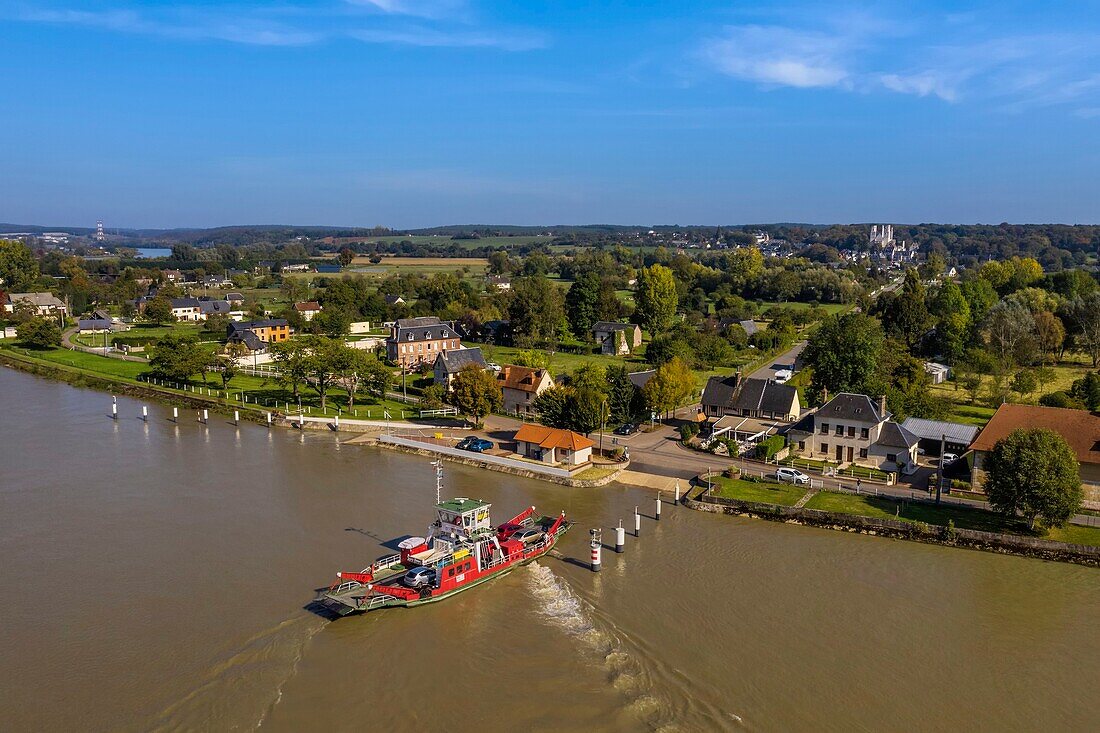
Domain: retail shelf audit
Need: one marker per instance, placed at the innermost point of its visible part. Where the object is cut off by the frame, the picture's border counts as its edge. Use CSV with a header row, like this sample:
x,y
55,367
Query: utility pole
x,y
939,478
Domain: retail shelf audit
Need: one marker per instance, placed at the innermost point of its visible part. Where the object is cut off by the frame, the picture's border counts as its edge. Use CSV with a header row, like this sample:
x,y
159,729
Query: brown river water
x,y
154,577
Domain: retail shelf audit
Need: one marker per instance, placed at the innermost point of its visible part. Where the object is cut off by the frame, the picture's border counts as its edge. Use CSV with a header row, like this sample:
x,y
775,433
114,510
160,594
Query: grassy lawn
x,y
964,518
769,493
244,390
594,473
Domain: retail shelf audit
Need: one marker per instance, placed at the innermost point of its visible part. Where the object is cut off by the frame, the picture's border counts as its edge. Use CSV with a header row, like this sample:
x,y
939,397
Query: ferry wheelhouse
x,y
461,549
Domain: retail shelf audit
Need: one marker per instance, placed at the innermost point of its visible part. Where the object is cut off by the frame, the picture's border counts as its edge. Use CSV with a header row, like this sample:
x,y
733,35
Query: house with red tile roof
x,y
553,445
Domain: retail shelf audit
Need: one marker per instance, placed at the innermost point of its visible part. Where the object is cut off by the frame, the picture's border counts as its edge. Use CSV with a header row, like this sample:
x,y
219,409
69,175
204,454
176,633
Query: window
x,y
444,333
892,457
851,431
420,347
409,337
862,452
824,428
427,334
450,572
802,445
840,430
863,433
824,447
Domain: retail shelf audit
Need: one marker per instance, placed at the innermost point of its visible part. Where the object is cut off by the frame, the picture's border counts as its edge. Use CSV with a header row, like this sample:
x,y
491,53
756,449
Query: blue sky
x,y
423,112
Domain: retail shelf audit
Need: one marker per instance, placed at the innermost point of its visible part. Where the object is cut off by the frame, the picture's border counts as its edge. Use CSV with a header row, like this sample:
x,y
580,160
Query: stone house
x,y
617,339
449,363
853,428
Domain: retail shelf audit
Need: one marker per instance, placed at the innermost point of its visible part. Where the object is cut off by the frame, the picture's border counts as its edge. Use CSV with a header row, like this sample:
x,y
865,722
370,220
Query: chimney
x,y
881,406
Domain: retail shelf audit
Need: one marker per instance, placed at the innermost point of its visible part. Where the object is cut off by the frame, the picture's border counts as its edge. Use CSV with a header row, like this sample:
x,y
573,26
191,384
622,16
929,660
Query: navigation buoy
x,y
596,542
114,408
620,537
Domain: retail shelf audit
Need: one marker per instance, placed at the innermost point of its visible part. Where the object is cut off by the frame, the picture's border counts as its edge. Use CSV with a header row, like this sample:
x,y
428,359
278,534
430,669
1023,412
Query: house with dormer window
x,y
853,428
415,341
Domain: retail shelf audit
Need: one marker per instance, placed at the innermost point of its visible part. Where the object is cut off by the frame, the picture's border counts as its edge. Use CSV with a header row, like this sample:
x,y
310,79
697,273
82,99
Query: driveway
x,y
783,361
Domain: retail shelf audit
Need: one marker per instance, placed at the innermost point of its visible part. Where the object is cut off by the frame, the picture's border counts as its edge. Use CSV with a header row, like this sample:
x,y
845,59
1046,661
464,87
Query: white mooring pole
x,y
175,414
637,523
620,537
597,541
269,419
114,408
144,413
205,417
658,515
236,417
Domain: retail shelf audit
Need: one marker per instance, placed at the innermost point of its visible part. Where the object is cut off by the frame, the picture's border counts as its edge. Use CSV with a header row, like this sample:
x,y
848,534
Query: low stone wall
x,y
916,531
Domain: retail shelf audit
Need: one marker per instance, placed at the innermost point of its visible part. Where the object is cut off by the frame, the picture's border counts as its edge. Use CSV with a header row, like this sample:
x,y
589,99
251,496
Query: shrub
x,y
765,449
688,431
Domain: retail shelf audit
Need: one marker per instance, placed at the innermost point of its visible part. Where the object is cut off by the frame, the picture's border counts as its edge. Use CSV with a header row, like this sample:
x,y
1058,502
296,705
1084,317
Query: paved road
x,y
783,361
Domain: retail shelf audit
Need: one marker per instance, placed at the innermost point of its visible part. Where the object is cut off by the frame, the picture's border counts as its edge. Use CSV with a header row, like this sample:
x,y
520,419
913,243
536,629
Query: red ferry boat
x,y
462,549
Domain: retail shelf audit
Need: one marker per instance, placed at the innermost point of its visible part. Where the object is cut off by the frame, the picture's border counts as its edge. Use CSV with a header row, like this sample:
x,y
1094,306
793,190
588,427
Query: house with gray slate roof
x,y
853,428
414,341
449,363
750,397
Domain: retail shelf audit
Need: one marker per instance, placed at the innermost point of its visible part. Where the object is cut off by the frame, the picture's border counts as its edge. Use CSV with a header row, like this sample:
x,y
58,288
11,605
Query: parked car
x,y
526,536
792,475
627,428
419,577
464,444
783,375
494,366
948,458
478,445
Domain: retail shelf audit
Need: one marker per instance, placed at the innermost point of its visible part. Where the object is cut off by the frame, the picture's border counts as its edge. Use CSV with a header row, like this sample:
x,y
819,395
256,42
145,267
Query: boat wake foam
x,y
238,692
657,697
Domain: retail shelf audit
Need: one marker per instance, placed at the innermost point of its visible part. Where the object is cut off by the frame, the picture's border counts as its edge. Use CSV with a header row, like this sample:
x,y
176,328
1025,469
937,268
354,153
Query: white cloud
x,y
780,56
865,55
406,22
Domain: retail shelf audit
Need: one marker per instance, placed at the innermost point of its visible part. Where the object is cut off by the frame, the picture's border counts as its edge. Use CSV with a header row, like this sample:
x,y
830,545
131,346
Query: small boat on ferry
x,y
462,549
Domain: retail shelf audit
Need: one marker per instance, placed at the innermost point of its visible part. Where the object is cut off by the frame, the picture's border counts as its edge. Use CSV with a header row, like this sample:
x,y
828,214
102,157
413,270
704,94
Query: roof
x,y
185,302
749,393
249,325
38,299
234,296
935,429
749,326
456,360
613,326
848,406
309,305
524,379
393,299
1080,428
101,314
640,379
461,505
895,436
94,324
546,437
215,306
249,339
425,328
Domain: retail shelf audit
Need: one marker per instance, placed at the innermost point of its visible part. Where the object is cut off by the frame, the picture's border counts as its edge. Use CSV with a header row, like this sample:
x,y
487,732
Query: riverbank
x,y
948,535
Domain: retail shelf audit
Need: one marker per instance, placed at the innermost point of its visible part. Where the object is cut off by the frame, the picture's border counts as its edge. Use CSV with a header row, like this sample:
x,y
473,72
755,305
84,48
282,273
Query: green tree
x,y
227,369
158,310
1087,390
1034,473
292,361
620,394
844,354
476,392
537,311
18,267
953,324
671,385
432,396
905,315
552,406
582,304
39,333
656,299
1084,314
711,350
345,257
532,358
179,357
333,322
1024,383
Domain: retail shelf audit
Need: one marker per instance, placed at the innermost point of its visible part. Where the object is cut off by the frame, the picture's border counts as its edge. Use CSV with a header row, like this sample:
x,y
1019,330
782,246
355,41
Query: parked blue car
x,y
475,444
